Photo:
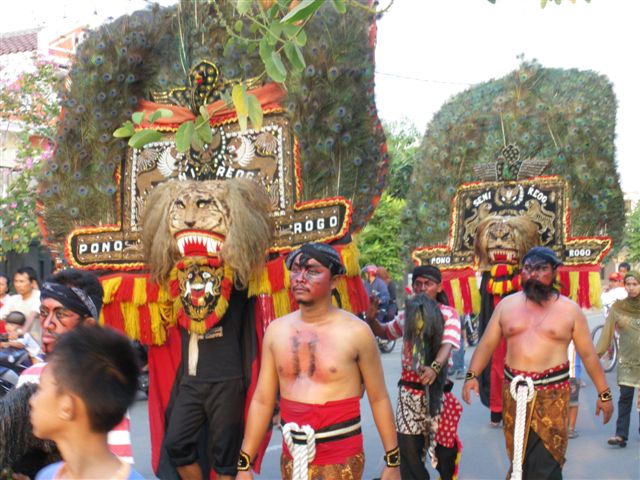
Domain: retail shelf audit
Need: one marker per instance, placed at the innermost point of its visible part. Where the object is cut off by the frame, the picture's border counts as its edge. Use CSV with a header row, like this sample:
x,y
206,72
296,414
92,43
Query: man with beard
x,y
317,358
538,324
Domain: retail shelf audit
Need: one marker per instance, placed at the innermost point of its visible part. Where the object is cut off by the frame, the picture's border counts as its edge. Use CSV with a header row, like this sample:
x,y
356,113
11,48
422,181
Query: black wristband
x,y
470,375
244,462
436,366
606,395
392,458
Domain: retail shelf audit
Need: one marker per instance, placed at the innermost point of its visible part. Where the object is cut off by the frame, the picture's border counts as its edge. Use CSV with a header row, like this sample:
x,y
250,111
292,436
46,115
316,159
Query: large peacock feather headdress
x,y
563,118
151,54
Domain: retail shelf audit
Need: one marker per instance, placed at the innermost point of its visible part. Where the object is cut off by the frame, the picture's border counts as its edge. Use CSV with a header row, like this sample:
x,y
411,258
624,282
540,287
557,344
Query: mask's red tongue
x,y
197,297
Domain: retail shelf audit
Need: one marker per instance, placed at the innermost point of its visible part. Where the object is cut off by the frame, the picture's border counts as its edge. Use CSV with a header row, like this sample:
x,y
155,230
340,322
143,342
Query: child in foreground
x,y
85,390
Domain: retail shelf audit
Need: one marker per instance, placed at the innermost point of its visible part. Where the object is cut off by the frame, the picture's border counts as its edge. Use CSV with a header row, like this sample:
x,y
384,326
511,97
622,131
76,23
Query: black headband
x,y
427,271
542,255
321,252
73,298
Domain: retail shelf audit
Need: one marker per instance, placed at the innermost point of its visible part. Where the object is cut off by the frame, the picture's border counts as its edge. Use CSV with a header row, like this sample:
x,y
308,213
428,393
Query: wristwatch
x,y
470,375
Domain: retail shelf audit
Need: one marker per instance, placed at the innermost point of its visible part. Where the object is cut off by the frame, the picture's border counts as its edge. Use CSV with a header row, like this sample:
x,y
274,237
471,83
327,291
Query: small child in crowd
x,y
17,339
85,390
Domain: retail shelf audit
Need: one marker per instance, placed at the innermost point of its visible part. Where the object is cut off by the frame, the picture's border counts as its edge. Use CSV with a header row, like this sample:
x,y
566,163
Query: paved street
x,y
483,455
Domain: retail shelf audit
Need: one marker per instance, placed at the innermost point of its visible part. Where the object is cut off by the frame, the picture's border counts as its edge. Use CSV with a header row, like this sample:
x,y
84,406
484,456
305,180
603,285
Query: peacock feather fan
x,y
106,81
564,116
334,114
331,104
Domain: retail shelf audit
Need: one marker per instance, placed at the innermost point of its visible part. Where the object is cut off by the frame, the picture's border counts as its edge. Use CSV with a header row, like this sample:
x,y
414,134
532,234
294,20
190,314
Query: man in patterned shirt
x,y
421,383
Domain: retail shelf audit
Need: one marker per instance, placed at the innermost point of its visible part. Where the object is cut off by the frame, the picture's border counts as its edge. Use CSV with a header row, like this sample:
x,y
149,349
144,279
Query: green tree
x,y
632,235
403,140
29,102
379,242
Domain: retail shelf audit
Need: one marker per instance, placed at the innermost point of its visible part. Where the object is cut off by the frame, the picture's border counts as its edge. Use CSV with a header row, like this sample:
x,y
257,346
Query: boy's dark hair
x,y
30,272
17,318
624,265
99,365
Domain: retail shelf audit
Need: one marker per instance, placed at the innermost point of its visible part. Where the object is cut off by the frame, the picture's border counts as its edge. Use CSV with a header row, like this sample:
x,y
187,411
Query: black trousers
x,y
413,450
538,462
446,461
624,411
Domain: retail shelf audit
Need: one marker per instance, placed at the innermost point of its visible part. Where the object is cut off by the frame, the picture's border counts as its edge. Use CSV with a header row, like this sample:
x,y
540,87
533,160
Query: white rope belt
x,y
302,436
302,453
522,391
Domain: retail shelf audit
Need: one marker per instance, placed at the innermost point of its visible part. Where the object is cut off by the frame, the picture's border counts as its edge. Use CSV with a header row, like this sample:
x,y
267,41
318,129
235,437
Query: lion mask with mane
x,y
235,212
504,239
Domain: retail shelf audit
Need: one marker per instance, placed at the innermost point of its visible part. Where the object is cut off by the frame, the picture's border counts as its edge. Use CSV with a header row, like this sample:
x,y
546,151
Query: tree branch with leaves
x,y
29,103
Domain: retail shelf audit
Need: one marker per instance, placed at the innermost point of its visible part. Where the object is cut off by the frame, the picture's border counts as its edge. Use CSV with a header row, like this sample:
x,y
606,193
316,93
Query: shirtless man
x,y
538,324
317,358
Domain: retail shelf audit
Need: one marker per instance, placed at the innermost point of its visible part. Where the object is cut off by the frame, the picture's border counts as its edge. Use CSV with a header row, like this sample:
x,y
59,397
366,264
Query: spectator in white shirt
x,y
26,300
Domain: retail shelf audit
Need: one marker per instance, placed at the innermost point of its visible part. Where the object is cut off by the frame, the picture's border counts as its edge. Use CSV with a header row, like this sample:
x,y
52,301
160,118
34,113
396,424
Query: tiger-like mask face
x,y
224,222
504,240
199,220
501,244
200,288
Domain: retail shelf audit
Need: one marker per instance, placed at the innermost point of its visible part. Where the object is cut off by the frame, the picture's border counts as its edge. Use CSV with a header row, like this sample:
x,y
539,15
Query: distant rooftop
x,y
20,41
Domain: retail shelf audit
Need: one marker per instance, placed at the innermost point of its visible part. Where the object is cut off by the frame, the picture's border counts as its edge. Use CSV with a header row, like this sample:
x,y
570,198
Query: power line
x,y
404,77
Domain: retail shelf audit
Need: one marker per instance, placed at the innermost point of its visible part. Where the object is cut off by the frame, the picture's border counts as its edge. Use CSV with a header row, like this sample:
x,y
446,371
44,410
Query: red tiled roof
x,y
15,42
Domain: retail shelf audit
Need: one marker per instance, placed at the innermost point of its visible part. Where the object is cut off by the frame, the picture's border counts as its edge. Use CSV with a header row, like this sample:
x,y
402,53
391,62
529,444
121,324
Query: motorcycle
x,y
12,362
143,377
385,346
472,329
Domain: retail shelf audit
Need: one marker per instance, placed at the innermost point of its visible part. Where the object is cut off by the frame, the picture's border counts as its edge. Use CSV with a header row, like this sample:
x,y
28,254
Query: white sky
x,y
451,44
470,41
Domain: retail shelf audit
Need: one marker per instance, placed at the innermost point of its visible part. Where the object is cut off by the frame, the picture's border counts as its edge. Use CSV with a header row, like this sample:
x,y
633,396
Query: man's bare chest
x,y
550,323
313,355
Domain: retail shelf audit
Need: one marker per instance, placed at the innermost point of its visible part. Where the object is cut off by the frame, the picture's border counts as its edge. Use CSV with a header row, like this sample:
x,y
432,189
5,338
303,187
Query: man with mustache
x,y
538,324
318,358
68,299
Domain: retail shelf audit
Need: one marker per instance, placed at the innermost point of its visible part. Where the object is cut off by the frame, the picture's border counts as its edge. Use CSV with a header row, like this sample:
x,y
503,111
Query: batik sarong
x,y
546,430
